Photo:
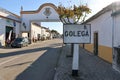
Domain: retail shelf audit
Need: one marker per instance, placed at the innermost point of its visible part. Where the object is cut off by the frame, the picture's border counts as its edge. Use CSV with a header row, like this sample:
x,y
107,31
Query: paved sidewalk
x,y
90,67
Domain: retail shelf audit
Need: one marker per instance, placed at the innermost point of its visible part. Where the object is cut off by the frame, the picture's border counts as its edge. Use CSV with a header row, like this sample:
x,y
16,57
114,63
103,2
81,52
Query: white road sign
x,y
76,33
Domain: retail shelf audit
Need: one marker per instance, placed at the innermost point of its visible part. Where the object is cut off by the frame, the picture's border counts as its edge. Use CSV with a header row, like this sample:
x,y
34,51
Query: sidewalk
x,y
90,67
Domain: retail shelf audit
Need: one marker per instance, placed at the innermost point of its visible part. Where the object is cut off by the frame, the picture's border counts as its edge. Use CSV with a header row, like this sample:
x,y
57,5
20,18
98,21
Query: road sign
x,y
76,33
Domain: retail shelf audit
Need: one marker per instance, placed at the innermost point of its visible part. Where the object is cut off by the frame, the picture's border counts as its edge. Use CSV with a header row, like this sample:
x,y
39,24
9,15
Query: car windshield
x,y
18,39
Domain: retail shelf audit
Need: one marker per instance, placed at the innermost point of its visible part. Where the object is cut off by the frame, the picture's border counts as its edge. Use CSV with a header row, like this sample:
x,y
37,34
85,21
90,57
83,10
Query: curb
x,y
63,70
58,62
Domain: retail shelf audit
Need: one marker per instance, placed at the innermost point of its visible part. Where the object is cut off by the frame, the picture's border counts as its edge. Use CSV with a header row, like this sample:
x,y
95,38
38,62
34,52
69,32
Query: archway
x,y
45,13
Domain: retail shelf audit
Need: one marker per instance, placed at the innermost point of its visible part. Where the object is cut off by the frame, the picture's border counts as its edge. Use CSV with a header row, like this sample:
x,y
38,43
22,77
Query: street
x,y
38,61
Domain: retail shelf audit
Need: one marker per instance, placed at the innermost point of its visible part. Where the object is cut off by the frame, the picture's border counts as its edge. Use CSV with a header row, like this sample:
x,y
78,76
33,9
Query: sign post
x,y
75,63
76,33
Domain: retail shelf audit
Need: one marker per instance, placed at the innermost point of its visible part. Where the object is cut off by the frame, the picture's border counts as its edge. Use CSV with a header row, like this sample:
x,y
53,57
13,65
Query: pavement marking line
x,y
9,60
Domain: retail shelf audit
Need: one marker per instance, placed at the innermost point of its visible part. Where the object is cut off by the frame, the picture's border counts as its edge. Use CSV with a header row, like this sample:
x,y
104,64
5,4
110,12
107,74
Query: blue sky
x,y
14,6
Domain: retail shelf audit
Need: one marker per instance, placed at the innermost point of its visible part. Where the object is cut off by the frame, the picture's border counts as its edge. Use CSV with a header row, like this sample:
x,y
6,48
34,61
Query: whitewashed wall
x,y
8,20
102,25
116,30
35,31
27,18
47,34
3,24
43,30
2,31
24,34
17,29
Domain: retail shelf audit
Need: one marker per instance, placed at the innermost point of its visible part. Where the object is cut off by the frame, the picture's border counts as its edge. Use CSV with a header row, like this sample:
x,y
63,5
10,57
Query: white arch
x,y
45,13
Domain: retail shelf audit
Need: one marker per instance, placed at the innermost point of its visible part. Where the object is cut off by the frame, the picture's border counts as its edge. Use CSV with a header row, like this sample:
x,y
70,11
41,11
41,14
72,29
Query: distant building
x,y
55,34
45,33
28,24
36,31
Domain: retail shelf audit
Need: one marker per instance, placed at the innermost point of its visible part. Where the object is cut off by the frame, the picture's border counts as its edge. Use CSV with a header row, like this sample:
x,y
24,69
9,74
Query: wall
x,y
24,34
117,31
8,19
35,31
2,32
102,25
17,29
47,34
39,17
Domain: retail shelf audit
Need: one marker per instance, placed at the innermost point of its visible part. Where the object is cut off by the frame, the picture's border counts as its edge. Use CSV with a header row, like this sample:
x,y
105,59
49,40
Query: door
x,y
8,29
96,43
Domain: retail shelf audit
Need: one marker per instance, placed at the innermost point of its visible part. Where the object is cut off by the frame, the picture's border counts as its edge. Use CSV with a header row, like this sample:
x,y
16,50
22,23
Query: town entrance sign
x,y
76,33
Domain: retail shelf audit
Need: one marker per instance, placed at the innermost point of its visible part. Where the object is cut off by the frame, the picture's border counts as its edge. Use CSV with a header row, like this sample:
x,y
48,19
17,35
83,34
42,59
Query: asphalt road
x,y
35,62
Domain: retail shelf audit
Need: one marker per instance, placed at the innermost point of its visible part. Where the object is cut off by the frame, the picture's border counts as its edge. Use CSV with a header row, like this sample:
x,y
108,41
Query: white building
x,y
9,22
45,33
36,31
105,30
23,25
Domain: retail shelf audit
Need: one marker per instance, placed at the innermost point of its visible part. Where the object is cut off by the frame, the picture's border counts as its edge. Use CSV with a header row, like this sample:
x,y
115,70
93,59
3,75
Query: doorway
x,y
9,30
116,59
96,43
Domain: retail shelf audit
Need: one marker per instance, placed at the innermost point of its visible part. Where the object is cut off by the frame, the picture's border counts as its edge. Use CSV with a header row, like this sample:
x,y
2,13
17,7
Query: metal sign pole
x,y
75,64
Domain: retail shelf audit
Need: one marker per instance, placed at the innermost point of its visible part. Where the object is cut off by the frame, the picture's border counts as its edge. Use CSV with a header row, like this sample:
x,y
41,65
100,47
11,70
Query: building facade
x,y
9,26
12,25
45,13
105,32
36,30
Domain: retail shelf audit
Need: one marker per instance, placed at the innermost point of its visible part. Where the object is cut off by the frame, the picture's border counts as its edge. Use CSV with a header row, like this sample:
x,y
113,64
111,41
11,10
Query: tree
x,y
54,31
73,14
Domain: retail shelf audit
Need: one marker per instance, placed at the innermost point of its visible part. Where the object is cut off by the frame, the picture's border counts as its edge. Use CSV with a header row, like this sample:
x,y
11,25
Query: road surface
x,y
35,62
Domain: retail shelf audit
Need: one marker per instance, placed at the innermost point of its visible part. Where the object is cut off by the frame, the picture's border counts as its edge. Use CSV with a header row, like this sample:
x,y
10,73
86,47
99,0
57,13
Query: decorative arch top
x,y
39,9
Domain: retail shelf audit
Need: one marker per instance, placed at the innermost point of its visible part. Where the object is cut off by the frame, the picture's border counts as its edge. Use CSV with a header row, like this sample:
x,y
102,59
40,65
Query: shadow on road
x,y
43,67
27,51
18,64
22,52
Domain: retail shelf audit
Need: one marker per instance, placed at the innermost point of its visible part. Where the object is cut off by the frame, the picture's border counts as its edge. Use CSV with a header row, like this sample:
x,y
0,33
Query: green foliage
x,y
54,31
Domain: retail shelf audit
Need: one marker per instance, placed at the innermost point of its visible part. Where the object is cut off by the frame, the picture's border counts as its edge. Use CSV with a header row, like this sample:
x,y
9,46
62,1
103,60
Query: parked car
x,y
20,42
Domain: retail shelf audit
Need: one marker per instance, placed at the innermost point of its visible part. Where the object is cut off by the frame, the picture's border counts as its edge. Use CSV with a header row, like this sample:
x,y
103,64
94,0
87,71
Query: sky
x,y
14,6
